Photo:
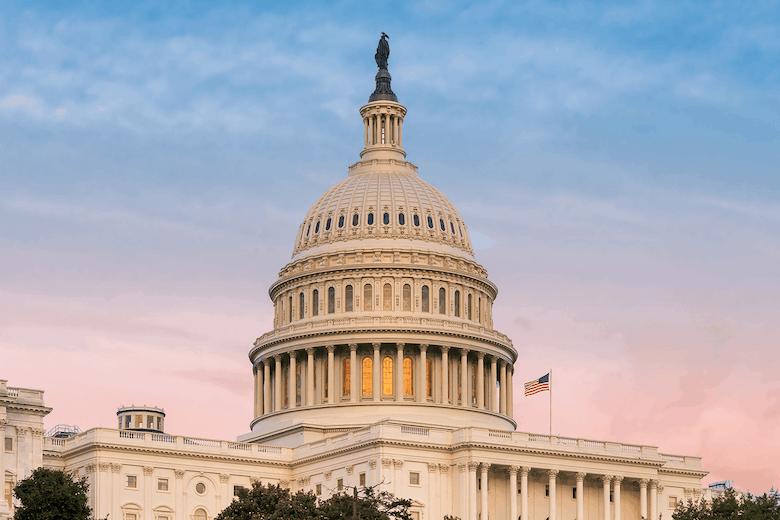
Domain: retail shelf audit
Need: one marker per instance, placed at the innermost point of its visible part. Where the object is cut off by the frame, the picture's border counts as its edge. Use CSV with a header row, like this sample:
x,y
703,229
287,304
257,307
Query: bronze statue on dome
x,y
382,52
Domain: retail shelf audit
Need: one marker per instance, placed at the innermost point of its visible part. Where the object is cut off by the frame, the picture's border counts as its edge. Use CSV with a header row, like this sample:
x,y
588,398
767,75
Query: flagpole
x,y
551,385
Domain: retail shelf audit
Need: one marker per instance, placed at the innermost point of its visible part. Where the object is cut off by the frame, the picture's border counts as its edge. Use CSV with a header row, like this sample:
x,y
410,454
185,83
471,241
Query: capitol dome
x,y
383,312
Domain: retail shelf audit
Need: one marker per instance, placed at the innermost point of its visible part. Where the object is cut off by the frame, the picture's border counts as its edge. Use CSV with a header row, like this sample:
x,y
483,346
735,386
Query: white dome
x,y
376,205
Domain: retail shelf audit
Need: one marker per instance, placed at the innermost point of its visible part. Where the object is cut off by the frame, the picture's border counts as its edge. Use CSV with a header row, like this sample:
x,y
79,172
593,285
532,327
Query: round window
x,y
370,219
200,488
401,219
327,225
341,221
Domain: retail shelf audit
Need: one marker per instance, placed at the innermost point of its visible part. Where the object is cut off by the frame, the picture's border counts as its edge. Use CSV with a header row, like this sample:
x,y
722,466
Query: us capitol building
x,y
383,368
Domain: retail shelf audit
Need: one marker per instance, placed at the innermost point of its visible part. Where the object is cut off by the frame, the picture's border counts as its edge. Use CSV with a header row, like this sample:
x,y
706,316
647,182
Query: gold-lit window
x,y
346,376
348,298
407,296
387,376
425,299
387,297
408,377
442,300
367,376
429,377
367,297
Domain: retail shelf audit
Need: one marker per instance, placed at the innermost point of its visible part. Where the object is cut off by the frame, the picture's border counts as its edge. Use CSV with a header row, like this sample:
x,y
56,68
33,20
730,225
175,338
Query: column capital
x,y
178,473
105,466
480,355
581,476
398,463
266,361
462,466
606,479
372,463
278,358
513,470
552,473
116,468
376,346
473,465
148,470
432,467
423,347
617,479
445,349
643,482
443,468
653,483
350,469
224,477
400,346
353,347
293,354
464,351
524,471
485,466
310,351
331,348
386,463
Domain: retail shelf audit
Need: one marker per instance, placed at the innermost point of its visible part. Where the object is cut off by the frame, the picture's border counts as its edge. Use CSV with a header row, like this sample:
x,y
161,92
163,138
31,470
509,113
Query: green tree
x,y
52,495
731,505
365,504
271,502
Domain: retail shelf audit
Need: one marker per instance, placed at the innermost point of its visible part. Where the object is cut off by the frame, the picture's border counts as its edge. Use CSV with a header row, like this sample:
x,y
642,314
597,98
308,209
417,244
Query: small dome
x,y
376,205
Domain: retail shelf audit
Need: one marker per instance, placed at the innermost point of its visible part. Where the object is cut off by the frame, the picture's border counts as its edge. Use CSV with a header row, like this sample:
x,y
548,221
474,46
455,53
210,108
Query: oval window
x,y
200,488
341,221
327,225
386,219
355,219
441,224
370,219
317,227
430,222
416,220
452,227
308,229
401,219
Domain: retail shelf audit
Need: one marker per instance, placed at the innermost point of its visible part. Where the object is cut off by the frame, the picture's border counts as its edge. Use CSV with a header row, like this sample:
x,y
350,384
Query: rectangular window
x,y
319,489
9,490
131,516
340,484
672,502
128,421
9,444
162,517
159,423
132,481
547,490
150,422
139,421
362,479
610,496
414,478
236,489
574,493
162,484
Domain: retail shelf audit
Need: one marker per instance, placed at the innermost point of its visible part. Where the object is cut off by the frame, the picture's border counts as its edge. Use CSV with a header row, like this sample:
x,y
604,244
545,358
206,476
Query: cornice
x,y
34,408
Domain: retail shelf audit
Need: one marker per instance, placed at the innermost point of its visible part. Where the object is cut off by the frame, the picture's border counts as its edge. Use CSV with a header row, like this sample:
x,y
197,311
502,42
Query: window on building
x,y
479,484
457,304
672,502
132,481
9,444
362,479
611,496
407,297
368,379
128,421
331,300
349,297
308,229
368,297
327,225
442,300
547,490
441,224
355,220
150,422
318,489
460,381
473,385
401,219
317,228
430,222
291,309
315,302
408,377
9,492
387,376
387,297
298,382
161,517
340,484
200,488
301,306
139,421
159,424
468,307
429,377
346,376
370,219
200,514
574,493
414,478
386,219
416,220
162,484
452,227
131,516
341,221
425,298
236,489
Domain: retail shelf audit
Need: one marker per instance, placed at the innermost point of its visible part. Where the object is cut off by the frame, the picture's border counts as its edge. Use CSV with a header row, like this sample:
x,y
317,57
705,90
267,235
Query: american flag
x,y
538,385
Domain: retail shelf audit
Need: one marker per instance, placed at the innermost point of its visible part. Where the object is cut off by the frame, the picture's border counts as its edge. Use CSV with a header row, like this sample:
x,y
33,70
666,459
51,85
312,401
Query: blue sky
x,y
617,166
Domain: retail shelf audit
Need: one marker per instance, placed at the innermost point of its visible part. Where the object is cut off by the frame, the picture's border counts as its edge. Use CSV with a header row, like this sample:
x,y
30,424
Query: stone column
x,y
473,490
223,484
258,404
510,392
484,494
606,513
399,370
643,498
376,367
445,375
493,387
116,482
291,385
267,386
433,495
353,386
278,399
512,495
481,380
422,393
310,376
148,493
179,491
580,496
552,474
464,489
464,377
502,397
616,495
400,130
524,471
445,488
331,374
653,499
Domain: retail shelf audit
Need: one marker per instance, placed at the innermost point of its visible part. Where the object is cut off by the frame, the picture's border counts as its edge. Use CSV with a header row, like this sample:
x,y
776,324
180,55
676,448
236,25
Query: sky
x,y
617,167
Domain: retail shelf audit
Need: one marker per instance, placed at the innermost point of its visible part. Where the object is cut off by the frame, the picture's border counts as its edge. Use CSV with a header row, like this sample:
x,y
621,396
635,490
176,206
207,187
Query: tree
x,y
52,495
731,505
271,502
366,504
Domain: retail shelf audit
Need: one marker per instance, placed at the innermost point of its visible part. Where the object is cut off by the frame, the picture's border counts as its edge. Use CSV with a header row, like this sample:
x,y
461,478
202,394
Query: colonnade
x,y
474,478
375,123
381,372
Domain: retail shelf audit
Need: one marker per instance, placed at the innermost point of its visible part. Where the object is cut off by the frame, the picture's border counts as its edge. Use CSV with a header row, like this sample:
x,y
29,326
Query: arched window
x,y
407,296
387,376
368,297
317,228
441,224
346,376
442,300
387,297
200,514
401,219
416,220
368,376
408,377
315,302
331,300
341,221
348,297
457,304
308,229
430,223
452,227
355,220
468,306
386,219
327,225
370,219
429,377
460,229
301,306
292,314
425,306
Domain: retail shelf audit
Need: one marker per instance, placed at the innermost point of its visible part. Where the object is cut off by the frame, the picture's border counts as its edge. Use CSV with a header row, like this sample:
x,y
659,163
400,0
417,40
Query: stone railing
x,y
23,395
